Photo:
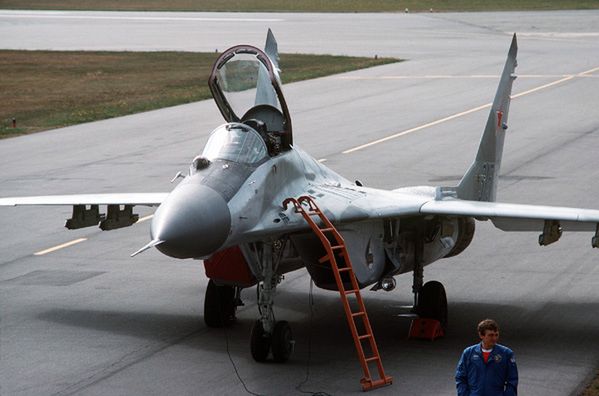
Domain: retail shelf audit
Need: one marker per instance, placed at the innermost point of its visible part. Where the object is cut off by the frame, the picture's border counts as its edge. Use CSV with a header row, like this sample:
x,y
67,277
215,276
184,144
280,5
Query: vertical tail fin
x,y
264,92
480,182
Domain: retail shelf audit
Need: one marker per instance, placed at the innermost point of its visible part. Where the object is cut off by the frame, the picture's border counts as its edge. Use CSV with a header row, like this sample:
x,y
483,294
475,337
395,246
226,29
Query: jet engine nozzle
x,y
194,221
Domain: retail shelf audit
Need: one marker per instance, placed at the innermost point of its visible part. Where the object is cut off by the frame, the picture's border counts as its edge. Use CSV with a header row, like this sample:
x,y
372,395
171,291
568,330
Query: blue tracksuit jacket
x,y
497,377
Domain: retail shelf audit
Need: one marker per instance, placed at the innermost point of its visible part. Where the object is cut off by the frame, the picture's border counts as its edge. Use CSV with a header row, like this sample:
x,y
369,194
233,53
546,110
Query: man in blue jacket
x,y
487,368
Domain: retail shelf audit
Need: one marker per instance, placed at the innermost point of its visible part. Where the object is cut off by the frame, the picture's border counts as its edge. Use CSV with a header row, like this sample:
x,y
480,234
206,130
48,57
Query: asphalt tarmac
x,y
87,319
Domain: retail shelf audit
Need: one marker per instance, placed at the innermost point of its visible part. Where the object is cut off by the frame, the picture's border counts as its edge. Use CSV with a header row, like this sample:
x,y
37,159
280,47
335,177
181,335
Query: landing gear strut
x,y
268,334
430,300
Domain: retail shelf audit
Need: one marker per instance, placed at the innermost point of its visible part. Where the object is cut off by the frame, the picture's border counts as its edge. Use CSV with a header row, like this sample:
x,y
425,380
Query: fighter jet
x,y
246,207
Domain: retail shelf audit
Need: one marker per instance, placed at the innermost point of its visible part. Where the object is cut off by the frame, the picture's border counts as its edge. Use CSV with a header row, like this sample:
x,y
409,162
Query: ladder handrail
x,y
367,382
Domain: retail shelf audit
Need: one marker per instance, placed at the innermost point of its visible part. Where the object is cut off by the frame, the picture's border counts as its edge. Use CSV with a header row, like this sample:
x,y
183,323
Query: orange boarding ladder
x,y
308,213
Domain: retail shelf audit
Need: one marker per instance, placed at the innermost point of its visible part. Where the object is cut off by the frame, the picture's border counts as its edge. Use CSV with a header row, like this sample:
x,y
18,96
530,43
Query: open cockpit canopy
x,y
246,87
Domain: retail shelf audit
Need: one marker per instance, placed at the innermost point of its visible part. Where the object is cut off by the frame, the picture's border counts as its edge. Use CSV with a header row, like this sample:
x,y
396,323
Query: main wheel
x,y
282,342
432,303
219,305
259,342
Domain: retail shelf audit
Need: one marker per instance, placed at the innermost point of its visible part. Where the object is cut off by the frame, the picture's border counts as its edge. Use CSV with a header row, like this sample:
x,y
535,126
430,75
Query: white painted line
x,y
441,76
457,77
322,160
558,34
418,128
463,113
584,73
542,87
55,248
145,218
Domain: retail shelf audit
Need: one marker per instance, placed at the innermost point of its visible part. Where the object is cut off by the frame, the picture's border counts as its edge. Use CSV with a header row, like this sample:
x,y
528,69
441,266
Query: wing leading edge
x,y
517,217
86,207
143,199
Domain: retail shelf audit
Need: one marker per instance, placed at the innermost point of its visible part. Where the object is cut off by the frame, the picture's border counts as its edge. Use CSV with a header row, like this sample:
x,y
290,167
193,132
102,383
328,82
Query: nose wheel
x,y
280,342
259,342
269,335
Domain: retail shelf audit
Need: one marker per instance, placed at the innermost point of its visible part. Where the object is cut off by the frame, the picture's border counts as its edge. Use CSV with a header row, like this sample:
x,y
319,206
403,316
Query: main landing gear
x,y
220,304
430,300
432,303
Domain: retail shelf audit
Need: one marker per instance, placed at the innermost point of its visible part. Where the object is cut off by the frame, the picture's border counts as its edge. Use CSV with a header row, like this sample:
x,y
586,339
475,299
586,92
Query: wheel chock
x,y
427,329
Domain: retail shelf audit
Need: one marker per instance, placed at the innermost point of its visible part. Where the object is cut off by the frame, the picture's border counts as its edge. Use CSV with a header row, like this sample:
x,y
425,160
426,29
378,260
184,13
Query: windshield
x,y
237,143
245,82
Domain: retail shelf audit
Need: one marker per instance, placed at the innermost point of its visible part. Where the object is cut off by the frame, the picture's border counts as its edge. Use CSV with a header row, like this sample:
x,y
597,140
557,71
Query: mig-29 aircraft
x,y
239,206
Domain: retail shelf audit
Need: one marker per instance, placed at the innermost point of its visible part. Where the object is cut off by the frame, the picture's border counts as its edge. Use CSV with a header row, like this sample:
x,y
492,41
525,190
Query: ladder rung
x,y
324,259
350,291
363,337
326,229
358,313
372,359
337,247
344,269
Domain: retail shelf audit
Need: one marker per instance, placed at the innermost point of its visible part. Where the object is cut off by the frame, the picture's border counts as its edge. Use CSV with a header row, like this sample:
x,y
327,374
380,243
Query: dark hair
x,y
487,324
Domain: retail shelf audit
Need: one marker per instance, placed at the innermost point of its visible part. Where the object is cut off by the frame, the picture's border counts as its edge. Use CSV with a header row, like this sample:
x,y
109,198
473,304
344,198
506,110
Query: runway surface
x,y
86,319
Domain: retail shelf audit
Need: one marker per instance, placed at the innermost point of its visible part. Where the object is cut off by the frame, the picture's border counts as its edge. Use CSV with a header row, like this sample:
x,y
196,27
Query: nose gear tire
x,y
259,342
282,342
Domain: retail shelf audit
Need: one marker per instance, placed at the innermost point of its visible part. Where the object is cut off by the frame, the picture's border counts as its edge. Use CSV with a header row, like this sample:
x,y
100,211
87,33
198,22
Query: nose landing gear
x,y
267,334
280,342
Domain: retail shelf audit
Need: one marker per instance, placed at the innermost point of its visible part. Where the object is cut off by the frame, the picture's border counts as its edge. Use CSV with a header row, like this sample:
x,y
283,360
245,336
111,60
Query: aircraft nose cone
x,y
194,221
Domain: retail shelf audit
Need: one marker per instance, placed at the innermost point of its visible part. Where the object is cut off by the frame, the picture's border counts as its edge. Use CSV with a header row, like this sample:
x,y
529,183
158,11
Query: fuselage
x,y
228,200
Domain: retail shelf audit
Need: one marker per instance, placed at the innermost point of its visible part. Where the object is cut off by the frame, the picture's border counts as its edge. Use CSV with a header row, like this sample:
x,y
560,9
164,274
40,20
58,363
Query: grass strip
x,y
300,6
51,89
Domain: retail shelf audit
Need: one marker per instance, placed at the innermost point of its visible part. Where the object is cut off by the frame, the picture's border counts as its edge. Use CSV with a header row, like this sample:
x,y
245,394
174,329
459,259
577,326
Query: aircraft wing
x,y
415,201
143,199
516,217
347,205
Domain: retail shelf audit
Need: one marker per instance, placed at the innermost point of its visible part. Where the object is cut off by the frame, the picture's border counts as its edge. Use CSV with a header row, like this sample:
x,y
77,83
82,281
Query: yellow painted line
x,y
55,248
145,218
463,113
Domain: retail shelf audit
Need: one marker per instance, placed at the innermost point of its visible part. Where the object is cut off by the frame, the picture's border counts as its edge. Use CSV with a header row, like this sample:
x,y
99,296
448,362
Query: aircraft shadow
x,y
570,324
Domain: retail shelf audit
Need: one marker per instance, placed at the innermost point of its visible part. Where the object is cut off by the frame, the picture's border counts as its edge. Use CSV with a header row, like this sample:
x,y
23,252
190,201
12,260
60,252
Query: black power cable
x,y
299,386
235,367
